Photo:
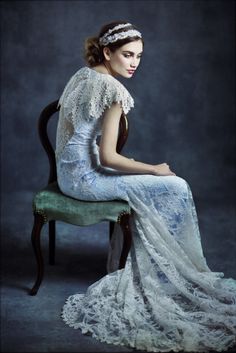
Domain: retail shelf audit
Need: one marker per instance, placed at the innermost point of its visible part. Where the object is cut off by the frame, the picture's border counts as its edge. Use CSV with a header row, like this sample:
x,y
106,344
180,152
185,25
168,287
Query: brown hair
x,y
93,50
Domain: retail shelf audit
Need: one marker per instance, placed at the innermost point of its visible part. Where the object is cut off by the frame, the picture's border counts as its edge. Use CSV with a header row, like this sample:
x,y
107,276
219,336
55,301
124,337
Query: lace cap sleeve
x,y
109,91
89,93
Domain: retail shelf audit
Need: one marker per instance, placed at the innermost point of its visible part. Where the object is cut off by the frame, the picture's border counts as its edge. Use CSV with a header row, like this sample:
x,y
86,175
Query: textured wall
x,y
184,90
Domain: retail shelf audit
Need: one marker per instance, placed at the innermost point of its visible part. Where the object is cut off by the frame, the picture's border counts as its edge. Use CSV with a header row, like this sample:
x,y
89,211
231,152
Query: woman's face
x,y
124,60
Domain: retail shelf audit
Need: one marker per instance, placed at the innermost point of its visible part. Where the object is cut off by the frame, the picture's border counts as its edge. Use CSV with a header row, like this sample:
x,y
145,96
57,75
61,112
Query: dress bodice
x,y
82,104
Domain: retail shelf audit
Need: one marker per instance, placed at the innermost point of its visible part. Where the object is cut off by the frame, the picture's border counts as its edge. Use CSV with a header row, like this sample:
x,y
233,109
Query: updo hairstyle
x,y
93,50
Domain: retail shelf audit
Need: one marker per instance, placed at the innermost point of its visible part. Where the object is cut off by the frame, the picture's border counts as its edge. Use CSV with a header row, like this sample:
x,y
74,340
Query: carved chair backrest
x,y
44,118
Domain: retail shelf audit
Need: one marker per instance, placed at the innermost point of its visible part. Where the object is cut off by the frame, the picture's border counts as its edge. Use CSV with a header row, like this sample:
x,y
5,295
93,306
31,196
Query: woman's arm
x,y
107,150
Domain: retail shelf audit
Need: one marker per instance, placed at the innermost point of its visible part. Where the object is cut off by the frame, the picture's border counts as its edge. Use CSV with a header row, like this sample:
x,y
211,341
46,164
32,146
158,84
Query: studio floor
x,y
33,323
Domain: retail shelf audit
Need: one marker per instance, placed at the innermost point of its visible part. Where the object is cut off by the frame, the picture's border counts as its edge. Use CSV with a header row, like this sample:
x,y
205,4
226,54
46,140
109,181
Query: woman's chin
x,y
126,75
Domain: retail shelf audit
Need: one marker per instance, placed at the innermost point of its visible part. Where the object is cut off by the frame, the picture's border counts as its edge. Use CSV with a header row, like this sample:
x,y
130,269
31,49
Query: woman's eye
x,y
129,56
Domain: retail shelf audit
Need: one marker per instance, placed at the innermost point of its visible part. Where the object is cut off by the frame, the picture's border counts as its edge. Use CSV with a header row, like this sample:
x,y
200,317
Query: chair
x,y
50,204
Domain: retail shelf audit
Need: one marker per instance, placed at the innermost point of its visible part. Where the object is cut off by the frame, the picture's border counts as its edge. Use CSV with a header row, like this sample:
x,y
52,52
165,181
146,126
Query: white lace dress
x,y
166,298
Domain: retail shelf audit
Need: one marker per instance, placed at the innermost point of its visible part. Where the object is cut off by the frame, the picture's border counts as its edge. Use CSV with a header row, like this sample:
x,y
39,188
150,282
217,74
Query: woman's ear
x,y
107,53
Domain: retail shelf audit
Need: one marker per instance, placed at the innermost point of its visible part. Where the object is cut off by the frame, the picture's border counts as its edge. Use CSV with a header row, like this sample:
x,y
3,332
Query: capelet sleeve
x,y
88,94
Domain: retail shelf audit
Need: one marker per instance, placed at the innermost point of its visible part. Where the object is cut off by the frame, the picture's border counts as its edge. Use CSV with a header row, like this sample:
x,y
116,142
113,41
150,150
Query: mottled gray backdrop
x,y
184,89
184,114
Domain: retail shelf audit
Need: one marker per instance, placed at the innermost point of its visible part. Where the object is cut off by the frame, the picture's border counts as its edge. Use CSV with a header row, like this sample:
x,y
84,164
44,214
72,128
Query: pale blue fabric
x,y
166,297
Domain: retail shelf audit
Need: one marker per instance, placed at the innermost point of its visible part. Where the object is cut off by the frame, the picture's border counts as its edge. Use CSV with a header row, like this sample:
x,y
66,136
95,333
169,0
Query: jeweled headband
x,y
108,37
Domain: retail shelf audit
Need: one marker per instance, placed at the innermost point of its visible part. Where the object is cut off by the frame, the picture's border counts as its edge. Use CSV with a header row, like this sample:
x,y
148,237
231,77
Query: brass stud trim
x,y
122,214
41,213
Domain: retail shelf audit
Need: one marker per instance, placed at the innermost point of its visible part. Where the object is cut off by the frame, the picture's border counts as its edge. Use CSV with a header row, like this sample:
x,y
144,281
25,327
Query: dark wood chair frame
x,y
40,218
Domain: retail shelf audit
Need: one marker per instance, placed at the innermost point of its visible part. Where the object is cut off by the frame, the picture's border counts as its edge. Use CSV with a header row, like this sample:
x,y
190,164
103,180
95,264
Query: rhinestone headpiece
x,y
108,37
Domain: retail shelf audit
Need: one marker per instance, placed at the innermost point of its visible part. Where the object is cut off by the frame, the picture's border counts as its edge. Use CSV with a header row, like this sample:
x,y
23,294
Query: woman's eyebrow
x,y
131,52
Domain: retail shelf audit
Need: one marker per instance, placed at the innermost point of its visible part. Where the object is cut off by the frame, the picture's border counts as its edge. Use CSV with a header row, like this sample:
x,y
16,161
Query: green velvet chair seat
x,y
52,204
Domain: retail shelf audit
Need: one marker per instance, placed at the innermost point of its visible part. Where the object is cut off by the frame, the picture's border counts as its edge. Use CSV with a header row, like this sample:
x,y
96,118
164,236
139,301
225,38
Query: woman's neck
x,y
104,68
108,68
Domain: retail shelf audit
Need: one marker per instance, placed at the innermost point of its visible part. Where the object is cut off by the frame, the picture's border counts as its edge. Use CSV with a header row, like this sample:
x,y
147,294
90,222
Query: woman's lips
x,y
130,71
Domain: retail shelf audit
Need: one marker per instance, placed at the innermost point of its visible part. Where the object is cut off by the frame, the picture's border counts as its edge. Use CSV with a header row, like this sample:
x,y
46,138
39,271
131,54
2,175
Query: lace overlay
x,y
166,298
85,97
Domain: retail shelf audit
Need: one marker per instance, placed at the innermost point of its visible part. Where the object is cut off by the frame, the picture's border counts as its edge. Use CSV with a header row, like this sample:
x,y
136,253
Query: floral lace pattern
x,y
85,97
166,298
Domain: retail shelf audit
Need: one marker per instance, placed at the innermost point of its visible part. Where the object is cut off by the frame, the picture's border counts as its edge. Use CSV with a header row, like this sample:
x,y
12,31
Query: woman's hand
x,y
162,169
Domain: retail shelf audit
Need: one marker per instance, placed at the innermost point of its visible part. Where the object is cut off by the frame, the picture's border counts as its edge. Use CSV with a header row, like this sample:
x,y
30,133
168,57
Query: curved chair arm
x,y
46,114
123,132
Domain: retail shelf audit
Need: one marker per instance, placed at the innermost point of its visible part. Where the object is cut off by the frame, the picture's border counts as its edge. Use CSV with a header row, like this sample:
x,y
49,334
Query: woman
x,y
166,297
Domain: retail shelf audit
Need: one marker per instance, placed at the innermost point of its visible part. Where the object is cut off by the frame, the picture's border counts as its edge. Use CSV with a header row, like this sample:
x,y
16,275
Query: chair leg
x,y
125,226
52,240
35,238
111,229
